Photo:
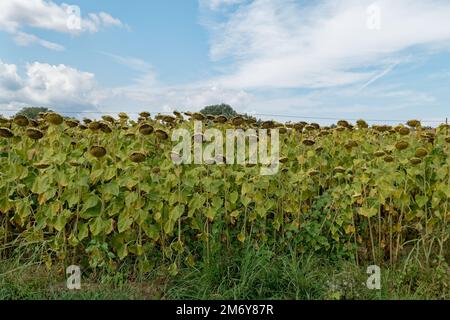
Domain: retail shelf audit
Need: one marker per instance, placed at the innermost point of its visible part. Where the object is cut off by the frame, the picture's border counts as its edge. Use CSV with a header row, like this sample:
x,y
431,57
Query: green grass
x,y
244,273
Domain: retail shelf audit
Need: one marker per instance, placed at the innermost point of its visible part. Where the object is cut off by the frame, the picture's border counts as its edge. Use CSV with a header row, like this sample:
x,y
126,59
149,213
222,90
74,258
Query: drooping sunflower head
x,y
404,131
362,124
108,119
145,114
94,125
72,123
161,134
402,145
97,151
6,133
413,123
123,116
237,121
54,118
198,116
21,121
146,129
308,142
421,153
34,133
415,161
137,157
343,123
388,159
41,165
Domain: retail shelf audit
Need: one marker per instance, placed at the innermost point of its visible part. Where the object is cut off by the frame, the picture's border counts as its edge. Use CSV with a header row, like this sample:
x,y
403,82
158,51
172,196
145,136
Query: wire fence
x,y
298,117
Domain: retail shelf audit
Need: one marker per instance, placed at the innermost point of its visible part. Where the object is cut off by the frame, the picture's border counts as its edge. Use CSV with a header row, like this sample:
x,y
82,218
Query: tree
x,y
32,112
218,110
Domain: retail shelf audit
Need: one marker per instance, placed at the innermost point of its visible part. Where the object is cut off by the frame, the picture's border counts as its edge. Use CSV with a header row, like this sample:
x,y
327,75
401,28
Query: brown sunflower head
x,y
343,123
402,145
146,129
413,123
404,131
362,124
379,153
54,118
6,133
97,151
388,159
421,153
221,119
94,125
415,161
308,142
137,157
237,121
34,133
123,116
161,134
72,123
145,114
198,116
104,127
108,119
21,120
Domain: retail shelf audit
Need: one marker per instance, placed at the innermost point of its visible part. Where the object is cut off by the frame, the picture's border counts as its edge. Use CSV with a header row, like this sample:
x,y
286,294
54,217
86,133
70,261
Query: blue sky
x,y
325,59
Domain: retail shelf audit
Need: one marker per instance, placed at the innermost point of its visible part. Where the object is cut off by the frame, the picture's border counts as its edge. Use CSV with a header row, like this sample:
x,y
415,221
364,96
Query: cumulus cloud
x,y
15,15
58,86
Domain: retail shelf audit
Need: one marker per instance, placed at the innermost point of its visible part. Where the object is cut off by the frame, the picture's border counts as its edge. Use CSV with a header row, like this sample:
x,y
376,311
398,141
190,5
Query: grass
x,y
244,273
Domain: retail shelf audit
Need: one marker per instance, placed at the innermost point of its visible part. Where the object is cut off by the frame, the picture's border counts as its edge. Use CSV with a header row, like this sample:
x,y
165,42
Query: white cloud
x,y
217,4
15,15
57,86
282,44
25,39
130,62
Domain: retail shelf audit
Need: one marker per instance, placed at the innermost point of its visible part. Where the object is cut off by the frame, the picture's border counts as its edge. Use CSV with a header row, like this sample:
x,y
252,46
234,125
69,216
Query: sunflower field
x,y
100,192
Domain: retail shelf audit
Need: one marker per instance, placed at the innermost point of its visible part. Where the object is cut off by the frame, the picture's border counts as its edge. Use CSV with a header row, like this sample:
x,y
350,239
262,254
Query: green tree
x,y
218,110
32,112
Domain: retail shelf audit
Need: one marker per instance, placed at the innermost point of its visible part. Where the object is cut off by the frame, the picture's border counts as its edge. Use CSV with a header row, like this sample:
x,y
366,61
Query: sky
x,y
283,59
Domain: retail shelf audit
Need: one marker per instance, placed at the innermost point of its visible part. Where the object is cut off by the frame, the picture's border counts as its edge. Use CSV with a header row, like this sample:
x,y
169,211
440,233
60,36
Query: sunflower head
x,y
137,157
388,159
54,118
237,121
404,131
34,133
145,114
6,133
343,123
108,119
221,119
169,119
72,123
401,145
308,142
379,153
97,151
146,129
415,161
284,159
123,116
198,116
413,123
94,125
21,120
104,127
421,153
74,163
313,173
161,134
362,124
